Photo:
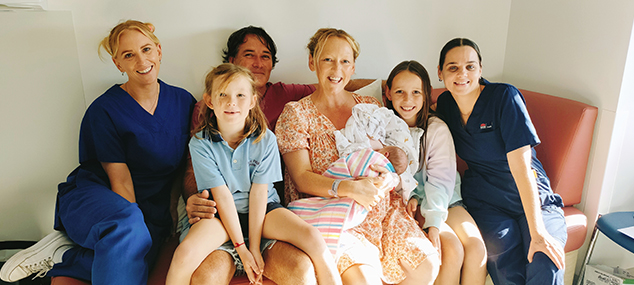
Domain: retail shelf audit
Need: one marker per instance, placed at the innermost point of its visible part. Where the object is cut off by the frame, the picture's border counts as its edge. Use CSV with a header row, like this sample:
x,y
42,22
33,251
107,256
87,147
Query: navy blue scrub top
x,y
116,128
498,124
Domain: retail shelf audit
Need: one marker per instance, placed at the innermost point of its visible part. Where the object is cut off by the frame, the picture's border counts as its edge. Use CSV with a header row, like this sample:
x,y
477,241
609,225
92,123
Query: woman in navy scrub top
x,y
115,207
505,188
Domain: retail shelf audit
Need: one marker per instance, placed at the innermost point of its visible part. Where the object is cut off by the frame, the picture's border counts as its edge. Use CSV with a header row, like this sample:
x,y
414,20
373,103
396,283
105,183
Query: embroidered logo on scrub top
x,y
485,126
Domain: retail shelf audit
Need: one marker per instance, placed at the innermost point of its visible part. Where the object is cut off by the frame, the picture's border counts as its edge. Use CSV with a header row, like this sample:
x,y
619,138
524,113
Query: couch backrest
x,y
565,128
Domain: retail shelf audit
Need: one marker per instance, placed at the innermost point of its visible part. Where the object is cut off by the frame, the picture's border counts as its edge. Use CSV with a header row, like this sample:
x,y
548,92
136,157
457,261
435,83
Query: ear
x,y
311,63
253,101
207,99
114,60
160,51
388,95
232,59
440,73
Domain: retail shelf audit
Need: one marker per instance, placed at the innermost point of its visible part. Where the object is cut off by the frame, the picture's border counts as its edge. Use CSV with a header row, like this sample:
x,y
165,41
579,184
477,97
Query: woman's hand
x,y
250,266
368,191
411,207
386,181
200,207
362,191
549,246
433,233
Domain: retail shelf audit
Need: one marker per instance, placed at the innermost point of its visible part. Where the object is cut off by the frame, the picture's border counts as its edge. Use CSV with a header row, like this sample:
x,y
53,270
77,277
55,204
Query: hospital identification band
x,y
334,191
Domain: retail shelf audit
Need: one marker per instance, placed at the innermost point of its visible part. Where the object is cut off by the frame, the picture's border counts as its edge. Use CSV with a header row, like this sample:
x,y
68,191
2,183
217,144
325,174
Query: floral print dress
x,y
388,235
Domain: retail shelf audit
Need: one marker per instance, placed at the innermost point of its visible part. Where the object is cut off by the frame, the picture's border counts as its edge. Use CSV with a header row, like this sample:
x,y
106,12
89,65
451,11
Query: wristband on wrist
x,y
238,244
334,190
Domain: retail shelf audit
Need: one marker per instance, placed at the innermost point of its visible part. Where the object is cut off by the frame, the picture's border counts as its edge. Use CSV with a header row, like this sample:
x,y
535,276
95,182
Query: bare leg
x,y
360,274
452,254
282,224
452,257
424,274
286,264
217,268
203,237
475,256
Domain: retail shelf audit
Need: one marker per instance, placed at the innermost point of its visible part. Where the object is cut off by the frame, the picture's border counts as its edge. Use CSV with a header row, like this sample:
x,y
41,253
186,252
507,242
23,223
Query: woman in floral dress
x,y
388,246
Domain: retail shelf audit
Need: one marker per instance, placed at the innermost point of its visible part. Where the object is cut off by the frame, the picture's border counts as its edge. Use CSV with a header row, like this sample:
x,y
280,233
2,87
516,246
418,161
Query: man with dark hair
x,y
253,48
237,38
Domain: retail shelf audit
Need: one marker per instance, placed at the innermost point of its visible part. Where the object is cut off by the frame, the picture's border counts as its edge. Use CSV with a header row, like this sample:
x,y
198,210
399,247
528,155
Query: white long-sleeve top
x,y
438,180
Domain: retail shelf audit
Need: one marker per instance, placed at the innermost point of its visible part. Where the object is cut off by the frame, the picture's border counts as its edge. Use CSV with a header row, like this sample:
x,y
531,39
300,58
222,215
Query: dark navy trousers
x,y
507,239
115,245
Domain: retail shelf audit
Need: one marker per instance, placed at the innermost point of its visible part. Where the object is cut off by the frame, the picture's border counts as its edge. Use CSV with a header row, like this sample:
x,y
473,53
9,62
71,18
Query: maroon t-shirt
x,y
273,101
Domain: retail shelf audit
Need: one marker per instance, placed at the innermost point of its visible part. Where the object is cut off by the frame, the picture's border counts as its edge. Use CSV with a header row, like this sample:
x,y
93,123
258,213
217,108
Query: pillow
x,y
373,89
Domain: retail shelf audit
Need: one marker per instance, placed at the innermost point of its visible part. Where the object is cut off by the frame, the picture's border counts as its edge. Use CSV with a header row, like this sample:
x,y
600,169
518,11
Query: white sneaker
x,y
38,258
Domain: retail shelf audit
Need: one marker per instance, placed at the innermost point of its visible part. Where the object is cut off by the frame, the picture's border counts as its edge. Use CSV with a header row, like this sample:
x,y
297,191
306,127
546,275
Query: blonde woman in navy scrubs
x,y
505,188
112,213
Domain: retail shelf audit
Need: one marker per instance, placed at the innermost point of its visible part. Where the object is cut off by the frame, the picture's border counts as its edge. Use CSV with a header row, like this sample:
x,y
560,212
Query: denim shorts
x,y
228,246
457,204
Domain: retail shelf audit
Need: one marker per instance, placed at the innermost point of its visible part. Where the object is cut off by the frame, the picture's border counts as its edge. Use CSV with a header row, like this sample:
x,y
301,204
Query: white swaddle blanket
x,y
369,121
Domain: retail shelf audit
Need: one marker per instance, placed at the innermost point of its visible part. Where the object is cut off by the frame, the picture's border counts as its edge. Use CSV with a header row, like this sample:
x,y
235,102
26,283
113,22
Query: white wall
x,y
41,104
578,50
193,33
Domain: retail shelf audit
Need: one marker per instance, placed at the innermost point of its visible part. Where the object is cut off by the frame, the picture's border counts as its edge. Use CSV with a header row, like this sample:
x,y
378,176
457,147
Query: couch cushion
x,y
577,225
565,128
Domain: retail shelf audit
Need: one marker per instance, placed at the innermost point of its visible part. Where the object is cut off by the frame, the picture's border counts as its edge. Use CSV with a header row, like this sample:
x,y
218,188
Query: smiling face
x,y
335,65
255,56
407,96
231,106
461,71
139,57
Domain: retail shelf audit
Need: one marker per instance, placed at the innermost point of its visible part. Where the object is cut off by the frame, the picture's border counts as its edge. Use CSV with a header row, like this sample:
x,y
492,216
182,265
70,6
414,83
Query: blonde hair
x,y
318,41
256,123
111,42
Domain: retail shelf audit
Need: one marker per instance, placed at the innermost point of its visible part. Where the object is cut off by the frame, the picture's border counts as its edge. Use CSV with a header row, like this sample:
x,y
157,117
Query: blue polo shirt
x,y
215,164
499,123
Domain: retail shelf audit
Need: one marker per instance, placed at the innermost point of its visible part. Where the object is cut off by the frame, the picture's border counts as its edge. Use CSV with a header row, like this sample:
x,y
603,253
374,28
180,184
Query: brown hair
x,y
422,118
459,42
111,42
256,123
419,70
397,157
318,41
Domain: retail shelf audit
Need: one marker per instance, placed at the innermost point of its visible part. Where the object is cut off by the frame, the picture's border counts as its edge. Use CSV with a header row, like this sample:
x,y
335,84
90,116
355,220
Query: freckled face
x,y
406,95
232,105
461,71
139,57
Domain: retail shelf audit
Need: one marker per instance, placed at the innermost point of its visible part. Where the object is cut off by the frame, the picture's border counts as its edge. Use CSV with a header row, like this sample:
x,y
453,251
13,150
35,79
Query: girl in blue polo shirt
x,y
236,158
505,188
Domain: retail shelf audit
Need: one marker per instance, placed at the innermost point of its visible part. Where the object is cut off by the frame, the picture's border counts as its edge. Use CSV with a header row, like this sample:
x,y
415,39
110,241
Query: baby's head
x,y
397,157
